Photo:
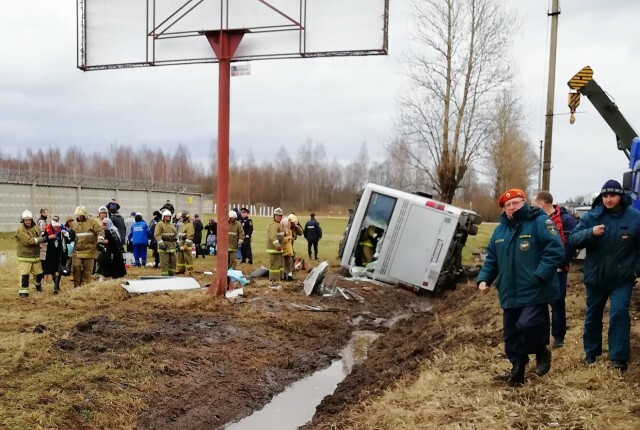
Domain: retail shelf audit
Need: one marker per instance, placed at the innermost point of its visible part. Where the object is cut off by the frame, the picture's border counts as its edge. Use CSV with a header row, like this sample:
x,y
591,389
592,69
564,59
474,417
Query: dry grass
x,y
41,386
455,389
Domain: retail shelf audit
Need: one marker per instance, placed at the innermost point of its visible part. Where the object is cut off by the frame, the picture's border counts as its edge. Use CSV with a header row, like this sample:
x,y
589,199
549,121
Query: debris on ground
x,y
144,286
315,277
260,272
231,294
237,276
317,308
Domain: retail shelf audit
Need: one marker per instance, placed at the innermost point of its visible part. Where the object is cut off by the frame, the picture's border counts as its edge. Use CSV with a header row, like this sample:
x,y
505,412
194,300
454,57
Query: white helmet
x,y
293,218
102,209
27,215
166,212
278,211
233,214
80,211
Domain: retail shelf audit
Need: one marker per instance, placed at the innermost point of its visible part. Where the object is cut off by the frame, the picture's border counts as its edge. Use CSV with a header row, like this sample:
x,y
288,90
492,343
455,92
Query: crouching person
x,y
523,254
28,240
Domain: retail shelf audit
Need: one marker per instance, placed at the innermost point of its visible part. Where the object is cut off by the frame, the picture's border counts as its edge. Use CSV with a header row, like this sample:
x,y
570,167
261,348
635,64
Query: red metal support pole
x,y
224,44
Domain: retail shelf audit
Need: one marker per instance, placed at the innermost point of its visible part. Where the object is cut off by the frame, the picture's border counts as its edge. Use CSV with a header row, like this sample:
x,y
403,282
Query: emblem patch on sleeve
x,y
525,246
552,229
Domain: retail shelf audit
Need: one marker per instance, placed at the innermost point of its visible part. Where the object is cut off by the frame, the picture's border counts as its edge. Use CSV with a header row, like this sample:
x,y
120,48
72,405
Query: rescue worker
x,y
523,254
139,235
88,234
236,238
103,213
185,243
275,238
247,226
291,230
367,245
610,232
28,240
166,236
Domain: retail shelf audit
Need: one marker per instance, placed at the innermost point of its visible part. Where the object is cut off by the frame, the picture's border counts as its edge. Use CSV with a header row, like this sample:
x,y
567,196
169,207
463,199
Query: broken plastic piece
x,y
163,284
238,292
315,277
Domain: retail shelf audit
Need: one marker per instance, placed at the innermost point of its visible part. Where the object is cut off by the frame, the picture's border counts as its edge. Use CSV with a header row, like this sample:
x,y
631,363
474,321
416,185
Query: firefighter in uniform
x,y
166,234
247,226
185,244
236,237
275,239
367,246
28,240
88,234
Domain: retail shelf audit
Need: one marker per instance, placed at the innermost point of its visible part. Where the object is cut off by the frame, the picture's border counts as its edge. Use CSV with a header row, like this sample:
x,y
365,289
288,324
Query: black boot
x,y
517,374
56,284
543,362
38,282
24,286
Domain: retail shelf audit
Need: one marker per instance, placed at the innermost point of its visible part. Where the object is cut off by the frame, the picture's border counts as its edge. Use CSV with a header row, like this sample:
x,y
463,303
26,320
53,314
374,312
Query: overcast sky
x,y
46,101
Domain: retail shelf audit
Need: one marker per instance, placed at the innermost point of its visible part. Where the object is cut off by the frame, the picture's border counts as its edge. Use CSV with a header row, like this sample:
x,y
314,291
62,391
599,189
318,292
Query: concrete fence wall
x,y
62,200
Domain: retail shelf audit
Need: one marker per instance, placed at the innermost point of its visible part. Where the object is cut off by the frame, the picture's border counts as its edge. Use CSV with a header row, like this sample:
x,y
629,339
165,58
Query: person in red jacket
x,y
565,223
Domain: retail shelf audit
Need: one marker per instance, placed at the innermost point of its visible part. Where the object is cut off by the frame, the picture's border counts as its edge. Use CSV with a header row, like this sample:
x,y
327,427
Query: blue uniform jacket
x,y
523,254
613,258
139,233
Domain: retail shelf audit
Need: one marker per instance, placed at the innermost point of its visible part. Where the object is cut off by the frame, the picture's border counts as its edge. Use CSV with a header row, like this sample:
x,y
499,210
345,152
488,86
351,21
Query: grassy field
x,y
41,388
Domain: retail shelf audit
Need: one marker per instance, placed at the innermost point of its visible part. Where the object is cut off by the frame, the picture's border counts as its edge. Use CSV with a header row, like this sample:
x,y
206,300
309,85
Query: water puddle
x,y
296,405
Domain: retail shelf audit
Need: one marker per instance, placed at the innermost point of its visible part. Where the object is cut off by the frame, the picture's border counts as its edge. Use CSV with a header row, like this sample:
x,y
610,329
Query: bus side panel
x,y
411,261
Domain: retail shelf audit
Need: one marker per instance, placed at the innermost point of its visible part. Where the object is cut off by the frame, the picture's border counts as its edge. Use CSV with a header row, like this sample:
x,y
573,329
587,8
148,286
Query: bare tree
x,y
512,160
444,116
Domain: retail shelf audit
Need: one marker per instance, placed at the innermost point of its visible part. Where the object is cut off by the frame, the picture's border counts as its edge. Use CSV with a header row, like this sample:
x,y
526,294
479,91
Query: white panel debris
x,y
315,277
163,284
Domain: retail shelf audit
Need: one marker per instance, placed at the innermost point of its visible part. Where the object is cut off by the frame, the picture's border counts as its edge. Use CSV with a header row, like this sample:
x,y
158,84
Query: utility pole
x,y
540,168
548,130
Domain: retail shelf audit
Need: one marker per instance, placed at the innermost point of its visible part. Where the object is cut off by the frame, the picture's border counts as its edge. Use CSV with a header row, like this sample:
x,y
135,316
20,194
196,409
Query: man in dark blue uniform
x,y
313,233
247,226
523,254
610,232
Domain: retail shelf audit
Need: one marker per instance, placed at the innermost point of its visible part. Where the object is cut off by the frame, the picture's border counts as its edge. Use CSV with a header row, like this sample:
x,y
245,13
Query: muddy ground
x,y
214,366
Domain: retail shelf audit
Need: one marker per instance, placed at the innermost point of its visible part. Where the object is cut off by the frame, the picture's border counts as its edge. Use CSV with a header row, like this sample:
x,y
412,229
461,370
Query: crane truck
x,y
583,84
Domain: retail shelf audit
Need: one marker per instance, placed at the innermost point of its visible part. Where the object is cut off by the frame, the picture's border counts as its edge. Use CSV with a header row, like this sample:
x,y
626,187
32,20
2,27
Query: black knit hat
x,y
612,187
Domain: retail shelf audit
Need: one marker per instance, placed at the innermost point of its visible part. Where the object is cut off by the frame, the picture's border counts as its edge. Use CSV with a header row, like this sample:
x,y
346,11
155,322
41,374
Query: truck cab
x,y
405,238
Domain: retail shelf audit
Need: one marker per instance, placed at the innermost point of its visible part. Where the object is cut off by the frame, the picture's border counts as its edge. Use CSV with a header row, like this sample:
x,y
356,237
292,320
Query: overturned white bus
x,y
407,239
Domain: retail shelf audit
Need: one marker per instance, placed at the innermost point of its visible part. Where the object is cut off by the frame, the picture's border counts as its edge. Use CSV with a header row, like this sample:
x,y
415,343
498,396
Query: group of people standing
x,y
84,245
281,234
528,257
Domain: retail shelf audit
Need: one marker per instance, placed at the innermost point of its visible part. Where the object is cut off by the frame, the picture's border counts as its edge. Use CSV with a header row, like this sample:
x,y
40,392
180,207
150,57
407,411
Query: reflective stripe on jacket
x,y
236,236
275,237
166,234
26,249
88,233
